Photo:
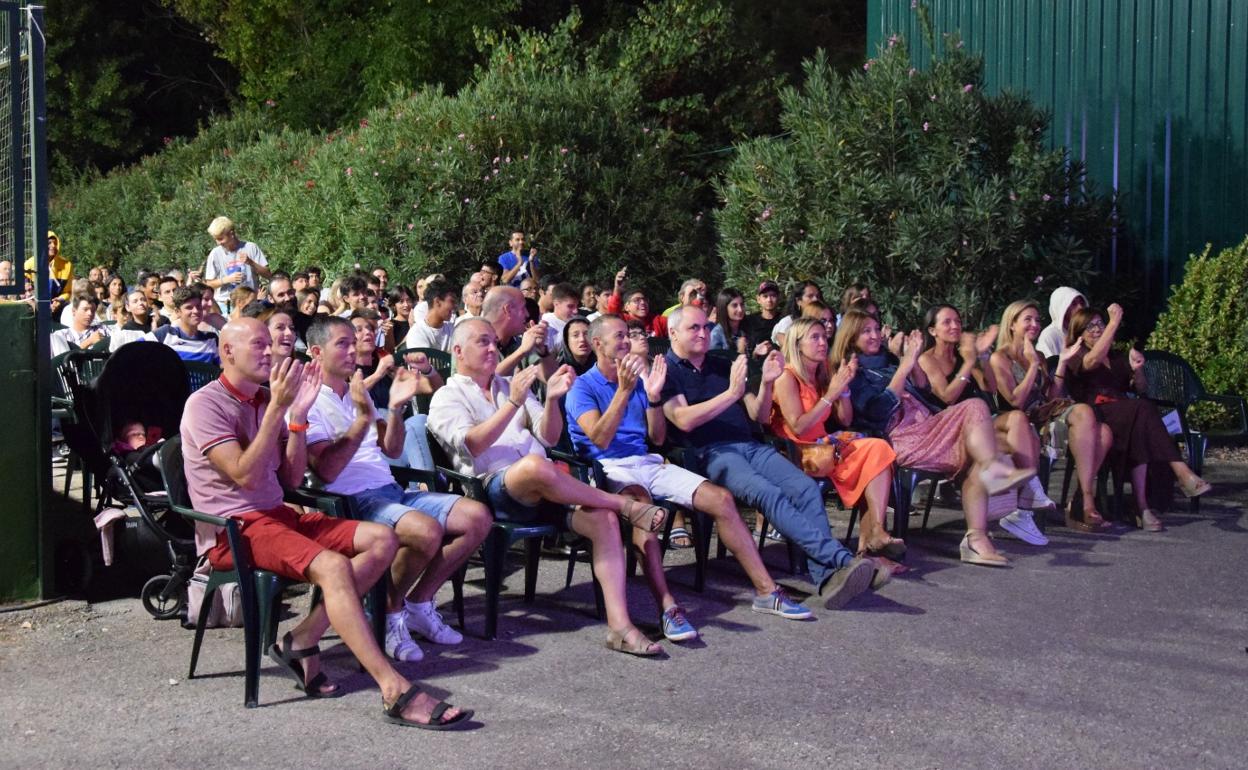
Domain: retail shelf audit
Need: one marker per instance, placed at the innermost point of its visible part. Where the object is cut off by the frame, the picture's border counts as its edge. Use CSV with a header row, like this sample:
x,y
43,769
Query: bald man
x,y
244,441
504,310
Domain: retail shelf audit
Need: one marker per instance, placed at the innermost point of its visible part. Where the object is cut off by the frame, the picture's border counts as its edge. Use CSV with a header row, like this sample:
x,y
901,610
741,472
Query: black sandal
x,y
288,658
394,713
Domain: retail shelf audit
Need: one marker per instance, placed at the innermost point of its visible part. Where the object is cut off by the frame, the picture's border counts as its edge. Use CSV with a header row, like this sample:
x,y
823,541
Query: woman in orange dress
x,y
805,399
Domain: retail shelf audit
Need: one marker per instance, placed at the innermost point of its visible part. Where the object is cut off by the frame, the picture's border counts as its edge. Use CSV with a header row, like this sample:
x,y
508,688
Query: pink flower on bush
x,y
491,117
348,171
461,136
893,40
364,123
168,140
1046,197
376,173
966,89
1013,197
507,159
866,66
765,215
563,150
1039,280
932,97
495,161
270,103
925,125
411,226
467,200
645,130
913,72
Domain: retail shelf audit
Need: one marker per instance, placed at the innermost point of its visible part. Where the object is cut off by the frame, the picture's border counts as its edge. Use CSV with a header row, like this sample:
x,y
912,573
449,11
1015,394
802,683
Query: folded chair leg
x,y
701,548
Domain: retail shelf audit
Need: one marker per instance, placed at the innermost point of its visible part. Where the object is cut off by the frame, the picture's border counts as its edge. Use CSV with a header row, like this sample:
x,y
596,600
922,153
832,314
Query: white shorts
x,y
664,481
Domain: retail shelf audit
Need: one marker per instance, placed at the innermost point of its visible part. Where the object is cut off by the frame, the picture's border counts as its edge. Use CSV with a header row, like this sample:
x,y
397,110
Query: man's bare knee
x,y
419,531
330,570
378,538
714,500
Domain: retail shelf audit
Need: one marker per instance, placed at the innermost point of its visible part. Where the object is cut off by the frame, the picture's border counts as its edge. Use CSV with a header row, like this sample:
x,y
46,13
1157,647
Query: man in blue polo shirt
x,y
705,400
609,419
183,335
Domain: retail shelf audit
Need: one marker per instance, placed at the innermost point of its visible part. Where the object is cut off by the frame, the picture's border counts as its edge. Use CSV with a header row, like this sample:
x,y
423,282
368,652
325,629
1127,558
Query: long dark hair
x,y
929,320
791,308
726,295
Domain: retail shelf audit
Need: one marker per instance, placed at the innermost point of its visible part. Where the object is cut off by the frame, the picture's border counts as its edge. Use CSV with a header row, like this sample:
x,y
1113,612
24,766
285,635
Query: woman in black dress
x,y
1106,378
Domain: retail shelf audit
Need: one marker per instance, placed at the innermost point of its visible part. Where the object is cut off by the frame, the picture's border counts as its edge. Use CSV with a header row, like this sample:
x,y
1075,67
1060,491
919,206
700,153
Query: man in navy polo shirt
x,y
609,419
705,400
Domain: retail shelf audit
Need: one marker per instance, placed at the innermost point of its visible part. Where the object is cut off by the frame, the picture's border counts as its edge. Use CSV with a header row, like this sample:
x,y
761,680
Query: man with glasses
x,y
706,402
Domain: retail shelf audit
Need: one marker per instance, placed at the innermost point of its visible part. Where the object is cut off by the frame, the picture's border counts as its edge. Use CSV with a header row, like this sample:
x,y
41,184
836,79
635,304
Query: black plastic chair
x,y
441,362
1173,382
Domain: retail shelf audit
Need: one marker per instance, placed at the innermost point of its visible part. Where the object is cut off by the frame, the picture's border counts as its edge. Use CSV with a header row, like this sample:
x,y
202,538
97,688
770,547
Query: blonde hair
x,y
1005,334
220,226
792,352
847,333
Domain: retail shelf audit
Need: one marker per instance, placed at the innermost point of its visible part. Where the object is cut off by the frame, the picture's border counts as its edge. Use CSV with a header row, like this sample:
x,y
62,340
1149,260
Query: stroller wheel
x,y
158,603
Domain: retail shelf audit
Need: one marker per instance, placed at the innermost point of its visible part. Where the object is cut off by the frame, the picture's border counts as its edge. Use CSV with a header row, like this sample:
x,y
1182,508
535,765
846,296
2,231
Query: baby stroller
x,y
142,384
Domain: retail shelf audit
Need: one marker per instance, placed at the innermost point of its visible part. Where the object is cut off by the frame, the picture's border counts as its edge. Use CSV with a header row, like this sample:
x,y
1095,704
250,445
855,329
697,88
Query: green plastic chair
x,y
494,549
260,590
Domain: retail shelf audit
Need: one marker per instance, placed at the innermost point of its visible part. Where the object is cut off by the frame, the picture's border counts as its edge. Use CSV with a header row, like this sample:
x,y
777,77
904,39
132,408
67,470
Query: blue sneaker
x,y
676,627
778,603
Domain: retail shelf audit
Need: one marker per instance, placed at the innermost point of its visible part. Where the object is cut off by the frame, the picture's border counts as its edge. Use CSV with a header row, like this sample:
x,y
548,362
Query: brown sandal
x,y
643,515
641,646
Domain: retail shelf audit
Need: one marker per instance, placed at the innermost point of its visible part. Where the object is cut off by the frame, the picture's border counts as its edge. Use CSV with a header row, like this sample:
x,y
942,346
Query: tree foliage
x,y
113,93
430,181
913,181
321,63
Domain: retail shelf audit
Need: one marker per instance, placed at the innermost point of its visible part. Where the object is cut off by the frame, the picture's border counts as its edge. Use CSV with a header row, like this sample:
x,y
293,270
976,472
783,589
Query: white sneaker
x,y
399,644
1031,496
424,619
1022,525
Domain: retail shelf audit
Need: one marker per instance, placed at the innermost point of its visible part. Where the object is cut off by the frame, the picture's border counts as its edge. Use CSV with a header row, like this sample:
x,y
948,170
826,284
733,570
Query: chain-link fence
x,y
16,191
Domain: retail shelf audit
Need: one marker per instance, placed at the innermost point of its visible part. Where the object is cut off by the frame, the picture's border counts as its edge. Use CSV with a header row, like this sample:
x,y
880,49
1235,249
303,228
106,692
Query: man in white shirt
x,y
348,444
82,331
563,307
434,330
494,428
473,296
233,262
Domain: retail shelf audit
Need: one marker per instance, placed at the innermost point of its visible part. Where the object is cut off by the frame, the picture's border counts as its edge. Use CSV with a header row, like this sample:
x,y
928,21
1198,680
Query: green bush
x,y
1206,319
914,181
539,141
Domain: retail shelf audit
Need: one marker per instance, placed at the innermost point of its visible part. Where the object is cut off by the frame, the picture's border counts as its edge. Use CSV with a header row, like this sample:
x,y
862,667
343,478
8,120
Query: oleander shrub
x,y
1206,318
915,181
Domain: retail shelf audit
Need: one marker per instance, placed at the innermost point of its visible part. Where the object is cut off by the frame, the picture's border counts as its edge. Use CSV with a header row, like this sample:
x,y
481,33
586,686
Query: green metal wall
x,y
1149,94
23,456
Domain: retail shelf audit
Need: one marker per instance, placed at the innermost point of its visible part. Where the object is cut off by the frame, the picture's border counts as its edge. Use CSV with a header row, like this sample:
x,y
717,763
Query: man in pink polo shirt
x,y
241,442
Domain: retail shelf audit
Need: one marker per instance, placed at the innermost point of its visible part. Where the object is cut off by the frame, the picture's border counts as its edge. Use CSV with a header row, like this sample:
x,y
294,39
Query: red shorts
x,y
284,541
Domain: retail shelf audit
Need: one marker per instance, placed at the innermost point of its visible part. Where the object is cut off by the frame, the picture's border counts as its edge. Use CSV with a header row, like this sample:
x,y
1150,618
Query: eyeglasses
x,y
1095,326
636,334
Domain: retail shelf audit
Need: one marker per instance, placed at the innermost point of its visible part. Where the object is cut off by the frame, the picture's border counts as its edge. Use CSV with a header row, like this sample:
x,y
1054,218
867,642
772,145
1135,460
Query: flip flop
x,y
288,658
894,549
679,533
643,515
394,713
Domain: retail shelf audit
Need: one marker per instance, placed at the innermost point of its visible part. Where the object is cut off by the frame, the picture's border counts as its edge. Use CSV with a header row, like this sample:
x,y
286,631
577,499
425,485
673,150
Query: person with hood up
x,y
60,274
1063,303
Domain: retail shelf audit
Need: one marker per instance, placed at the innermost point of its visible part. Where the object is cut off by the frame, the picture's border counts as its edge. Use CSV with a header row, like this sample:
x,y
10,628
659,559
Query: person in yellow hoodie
x,y
60,273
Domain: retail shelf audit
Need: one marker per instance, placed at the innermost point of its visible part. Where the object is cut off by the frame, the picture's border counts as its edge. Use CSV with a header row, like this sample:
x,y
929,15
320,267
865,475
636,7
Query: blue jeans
x,y
790,499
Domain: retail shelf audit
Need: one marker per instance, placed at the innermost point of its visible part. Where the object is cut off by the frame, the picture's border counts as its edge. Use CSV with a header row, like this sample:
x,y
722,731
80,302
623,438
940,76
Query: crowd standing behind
x,y
322,378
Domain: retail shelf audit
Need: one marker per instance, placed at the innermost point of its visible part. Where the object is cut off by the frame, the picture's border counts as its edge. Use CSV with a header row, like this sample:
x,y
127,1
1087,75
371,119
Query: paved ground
x,y
1125,650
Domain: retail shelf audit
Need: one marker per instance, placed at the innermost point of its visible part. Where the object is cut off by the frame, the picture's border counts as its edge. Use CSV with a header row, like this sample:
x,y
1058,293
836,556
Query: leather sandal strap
x,y
396,708
435,717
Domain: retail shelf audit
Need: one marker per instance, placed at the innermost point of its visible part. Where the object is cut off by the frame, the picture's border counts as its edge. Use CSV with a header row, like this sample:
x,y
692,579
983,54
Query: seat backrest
x,y
1171,380
200,374
659,345
173,473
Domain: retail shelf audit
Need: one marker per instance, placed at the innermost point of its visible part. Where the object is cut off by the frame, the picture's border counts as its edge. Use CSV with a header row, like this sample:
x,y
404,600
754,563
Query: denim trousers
x,y
791,501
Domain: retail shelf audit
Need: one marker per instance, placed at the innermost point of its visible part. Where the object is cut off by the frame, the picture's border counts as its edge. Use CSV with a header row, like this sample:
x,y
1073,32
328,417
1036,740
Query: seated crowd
x,y
320,380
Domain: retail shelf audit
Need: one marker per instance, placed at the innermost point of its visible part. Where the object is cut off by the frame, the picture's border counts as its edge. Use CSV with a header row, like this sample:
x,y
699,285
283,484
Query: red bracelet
x,y
297,427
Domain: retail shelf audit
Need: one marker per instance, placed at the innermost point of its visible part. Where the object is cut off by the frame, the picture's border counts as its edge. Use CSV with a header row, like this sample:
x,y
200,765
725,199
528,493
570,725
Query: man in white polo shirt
x,y
347,448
